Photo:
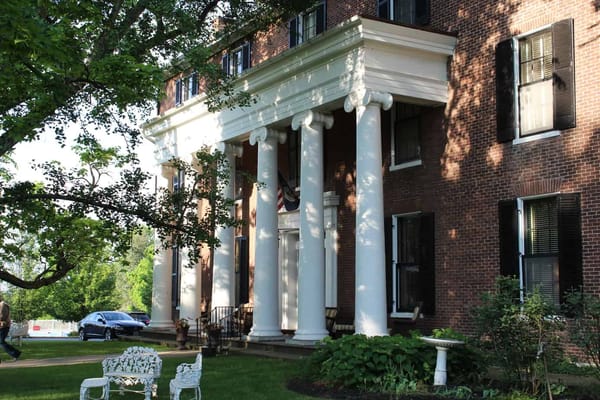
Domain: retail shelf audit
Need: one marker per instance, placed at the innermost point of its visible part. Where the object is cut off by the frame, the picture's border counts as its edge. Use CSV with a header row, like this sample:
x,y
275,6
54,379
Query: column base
x,y
160,325
264,336
308,337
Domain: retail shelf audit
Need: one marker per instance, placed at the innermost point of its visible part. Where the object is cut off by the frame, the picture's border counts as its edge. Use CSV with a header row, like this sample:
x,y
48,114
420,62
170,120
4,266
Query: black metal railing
x,y
229,322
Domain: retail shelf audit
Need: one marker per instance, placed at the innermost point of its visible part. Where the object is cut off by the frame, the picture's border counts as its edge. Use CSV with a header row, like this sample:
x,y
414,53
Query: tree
x,y
99,65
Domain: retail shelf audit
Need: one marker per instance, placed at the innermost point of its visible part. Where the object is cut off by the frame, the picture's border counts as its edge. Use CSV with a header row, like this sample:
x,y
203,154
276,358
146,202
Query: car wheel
x,y
108,335
82,335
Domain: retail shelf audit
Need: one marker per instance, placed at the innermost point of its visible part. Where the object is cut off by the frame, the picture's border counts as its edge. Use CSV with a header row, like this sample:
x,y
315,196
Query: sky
x,y
47,149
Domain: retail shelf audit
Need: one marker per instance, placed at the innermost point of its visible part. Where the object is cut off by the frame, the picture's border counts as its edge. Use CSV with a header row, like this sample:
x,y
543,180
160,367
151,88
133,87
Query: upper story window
x,y
186,87
406,135
307,25
535,83
237,60
414,12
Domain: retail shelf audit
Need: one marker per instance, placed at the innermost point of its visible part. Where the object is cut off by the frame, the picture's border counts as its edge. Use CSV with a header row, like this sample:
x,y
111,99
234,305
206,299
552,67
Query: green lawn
x,y
235,376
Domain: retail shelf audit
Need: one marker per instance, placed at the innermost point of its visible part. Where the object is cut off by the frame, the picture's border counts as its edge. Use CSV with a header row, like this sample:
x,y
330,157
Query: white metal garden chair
x,y
187,377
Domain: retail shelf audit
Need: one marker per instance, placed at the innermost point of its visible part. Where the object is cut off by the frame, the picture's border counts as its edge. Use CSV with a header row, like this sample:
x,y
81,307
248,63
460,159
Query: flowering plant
x,y
182,323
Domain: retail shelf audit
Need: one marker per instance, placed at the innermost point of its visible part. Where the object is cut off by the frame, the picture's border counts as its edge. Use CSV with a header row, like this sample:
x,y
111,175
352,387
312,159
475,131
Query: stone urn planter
x,y
181,329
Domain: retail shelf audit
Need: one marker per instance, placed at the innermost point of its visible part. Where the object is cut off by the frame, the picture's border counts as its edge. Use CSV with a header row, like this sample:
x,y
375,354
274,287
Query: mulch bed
x,y
319,390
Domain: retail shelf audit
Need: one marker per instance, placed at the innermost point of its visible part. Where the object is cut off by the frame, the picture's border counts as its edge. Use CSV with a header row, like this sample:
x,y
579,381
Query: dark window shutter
x,y
563,74
569,242
383,9
225,64
246,56
178,91
195,84
244,270
422,12
505,92
509,237
293,32
321,15
427,267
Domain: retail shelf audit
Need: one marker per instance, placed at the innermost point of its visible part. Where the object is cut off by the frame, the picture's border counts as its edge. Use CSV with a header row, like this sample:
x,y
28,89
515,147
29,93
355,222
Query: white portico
x,y
361,65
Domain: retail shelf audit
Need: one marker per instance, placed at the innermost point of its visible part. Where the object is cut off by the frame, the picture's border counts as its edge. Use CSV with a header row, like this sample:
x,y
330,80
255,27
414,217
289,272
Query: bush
x,y
390,364
521,338
584,329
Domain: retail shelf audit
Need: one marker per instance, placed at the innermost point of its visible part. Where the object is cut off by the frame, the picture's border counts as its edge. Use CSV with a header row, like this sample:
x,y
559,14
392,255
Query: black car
x,y
108,325
140,316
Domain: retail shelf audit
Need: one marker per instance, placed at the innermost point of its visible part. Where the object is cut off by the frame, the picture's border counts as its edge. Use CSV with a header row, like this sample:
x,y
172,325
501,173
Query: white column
x,y
161,273
311,268
370,292
266,305
223,287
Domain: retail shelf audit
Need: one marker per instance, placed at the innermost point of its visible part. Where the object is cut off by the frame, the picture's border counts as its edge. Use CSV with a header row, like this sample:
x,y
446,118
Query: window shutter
x,y
569,242
195,84
509,237
563,74
321,21
225,64
293,32
422,12
246,56
383,9
390,265
178,91
505,92
427,271
243,267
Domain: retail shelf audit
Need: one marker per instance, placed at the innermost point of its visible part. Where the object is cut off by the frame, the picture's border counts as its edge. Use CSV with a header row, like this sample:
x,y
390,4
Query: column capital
x,y
357,99
233,149
263,133
307,118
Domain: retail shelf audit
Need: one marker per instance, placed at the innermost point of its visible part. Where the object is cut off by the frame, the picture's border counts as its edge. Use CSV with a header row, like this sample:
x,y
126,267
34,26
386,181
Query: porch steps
x,y
275,349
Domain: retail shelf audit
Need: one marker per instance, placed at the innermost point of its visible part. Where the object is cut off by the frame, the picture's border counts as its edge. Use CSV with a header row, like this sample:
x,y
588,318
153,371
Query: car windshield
x,y
116,316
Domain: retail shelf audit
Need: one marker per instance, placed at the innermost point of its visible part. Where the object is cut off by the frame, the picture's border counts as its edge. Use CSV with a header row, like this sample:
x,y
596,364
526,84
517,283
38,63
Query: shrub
x,y
584,328
519,337
390,364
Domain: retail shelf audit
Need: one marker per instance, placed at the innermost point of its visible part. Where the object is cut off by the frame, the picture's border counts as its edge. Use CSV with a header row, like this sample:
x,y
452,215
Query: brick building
x,y
433,145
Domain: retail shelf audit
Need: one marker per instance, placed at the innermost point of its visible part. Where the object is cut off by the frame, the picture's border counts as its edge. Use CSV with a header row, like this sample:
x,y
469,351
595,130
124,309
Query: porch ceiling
x,y
358,54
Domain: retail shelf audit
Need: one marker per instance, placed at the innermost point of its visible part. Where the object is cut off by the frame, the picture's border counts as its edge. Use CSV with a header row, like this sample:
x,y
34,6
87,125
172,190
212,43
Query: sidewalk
x,y
48,362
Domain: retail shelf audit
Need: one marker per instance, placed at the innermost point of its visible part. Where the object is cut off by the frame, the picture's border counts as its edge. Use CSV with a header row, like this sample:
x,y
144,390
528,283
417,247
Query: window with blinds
x,y
540,261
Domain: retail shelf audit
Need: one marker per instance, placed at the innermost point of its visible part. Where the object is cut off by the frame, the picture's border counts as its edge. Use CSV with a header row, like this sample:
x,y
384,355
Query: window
x,y
535,84
307,25
412,263
540,242
406,133
186,88
413,12
237,60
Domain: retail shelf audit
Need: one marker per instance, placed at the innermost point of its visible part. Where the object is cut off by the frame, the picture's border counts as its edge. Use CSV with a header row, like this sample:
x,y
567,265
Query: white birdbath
x,y
442,346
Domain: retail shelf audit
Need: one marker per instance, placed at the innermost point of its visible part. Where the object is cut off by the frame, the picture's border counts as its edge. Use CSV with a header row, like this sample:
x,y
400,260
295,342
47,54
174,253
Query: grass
x,y
232,377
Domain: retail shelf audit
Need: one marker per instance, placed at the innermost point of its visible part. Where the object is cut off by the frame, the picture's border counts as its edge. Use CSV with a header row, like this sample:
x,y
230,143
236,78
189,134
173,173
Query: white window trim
x,y
404,165
535,136
395,217
410,164
521,222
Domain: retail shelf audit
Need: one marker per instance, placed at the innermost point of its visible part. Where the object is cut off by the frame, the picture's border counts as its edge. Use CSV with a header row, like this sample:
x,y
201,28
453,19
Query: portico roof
x,y
358,54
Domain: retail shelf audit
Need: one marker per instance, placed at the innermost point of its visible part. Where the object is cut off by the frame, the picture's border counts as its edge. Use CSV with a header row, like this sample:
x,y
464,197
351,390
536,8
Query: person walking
x,y
4,328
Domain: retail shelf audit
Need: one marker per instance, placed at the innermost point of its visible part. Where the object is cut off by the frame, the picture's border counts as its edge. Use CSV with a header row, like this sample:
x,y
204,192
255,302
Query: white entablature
x,y
356,55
